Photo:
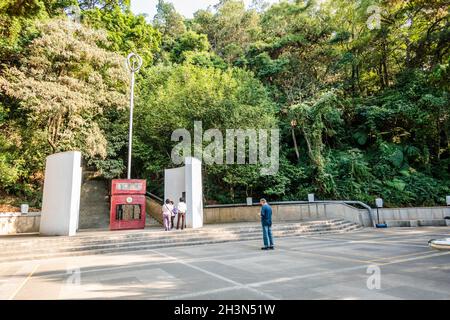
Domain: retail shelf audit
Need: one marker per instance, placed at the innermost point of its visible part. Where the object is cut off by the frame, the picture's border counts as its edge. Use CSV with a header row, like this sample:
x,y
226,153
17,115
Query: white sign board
x,y
379,202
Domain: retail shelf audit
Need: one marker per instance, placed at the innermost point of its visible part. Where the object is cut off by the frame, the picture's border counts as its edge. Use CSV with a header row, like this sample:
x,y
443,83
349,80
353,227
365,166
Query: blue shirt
x,y
266,215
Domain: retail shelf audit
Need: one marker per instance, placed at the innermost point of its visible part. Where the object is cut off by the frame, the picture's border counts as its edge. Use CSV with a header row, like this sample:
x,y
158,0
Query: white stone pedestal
x,y
61,200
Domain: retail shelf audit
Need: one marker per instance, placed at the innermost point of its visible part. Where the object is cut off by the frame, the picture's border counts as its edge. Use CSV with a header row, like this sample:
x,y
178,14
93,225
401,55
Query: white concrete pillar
x,y
188,180
194,192
61,200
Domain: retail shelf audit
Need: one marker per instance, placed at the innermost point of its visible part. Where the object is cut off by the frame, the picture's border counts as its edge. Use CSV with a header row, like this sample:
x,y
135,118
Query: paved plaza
x,y
333,266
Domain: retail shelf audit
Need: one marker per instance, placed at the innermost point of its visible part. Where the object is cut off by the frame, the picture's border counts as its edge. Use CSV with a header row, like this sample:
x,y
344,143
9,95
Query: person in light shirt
x,y
181,214
166,210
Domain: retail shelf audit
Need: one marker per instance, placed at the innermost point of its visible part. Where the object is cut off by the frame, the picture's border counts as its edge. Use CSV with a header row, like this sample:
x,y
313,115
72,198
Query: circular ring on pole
x,y
134,62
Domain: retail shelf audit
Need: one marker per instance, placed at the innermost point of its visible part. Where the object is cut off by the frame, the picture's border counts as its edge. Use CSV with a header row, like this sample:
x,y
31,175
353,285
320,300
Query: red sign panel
x,y
133,186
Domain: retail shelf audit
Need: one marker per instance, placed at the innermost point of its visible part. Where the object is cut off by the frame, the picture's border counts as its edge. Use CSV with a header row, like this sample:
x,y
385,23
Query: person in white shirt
x,y
181,214
166,210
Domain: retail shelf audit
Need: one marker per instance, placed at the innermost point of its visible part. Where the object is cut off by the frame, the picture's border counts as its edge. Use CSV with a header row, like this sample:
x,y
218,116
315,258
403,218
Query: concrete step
x,y
93,238
151,222
105,234
180,237
161,237
104,242
149,246
94,201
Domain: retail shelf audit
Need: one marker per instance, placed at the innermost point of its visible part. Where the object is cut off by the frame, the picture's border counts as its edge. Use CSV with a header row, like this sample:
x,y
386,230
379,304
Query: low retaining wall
x,y
288,212
430,213
15,223
414,217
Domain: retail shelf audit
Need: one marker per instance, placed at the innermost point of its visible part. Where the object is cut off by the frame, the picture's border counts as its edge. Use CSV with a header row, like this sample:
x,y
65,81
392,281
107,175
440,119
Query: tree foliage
x,y
174,97
61,89
126,31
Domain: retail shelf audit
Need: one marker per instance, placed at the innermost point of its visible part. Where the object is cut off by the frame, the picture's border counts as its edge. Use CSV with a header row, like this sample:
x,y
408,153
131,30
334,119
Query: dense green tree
x,y
168,21
189,42
103,4
230,30
126,31
175,97
58,95
17,20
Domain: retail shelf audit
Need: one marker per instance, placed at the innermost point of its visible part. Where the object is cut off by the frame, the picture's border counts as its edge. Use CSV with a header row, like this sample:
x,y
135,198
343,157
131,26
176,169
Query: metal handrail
x,y
154,196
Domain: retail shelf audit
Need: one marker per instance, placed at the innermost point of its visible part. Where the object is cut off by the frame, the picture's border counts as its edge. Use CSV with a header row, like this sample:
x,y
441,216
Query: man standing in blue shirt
x,y
266,221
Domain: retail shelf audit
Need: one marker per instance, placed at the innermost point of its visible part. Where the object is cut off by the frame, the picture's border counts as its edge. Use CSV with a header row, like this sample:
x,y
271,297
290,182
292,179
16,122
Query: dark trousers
x,y
181,216
171,220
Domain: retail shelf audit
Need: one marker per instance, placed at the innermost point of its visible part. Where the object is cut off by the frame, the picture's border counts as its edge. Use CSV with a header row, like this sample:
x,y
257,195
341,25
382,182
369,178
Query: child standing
x,y
174,213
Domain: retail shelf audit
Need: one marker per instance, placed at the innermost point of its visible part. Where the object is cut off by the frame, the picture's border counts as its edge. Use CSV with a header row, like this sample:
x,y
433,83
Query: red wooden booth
x,y
127,204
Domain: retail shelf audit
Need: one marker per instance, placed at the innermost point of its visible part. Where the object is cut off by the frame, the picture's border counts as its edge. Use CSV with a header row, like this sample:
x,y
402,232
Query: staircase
x,y
102,242
94,202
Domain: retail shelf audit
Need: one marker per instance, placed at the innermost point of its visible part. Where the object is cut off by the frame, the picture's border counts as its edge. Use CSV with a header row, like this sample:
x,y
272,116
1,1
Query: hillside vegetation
x,y
359,90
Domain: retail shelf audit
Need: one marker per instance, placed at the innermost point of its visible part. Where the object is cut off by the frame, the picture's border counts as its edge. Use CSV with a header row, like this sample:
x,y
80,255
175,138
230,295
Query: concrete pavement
x,y
335,266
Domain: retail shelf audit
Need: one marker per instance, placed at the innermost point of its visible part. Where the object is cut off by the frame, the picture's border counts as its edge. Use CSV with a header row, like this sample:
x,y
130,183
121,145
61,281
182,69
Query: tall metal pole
x,y
134,63
130,131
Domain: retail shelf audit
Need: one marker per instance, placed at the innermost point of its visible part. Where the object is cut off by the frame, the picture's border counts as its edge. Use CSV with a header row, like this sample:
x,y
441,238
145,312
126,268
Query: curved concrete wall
x,y
424,213
288,212
414,217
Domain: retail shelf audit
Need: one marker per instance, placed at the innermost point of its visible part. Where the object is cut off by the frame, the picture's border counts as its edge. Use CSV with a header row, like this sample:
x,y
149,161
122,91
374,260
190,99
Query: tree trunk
x,y
294,139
